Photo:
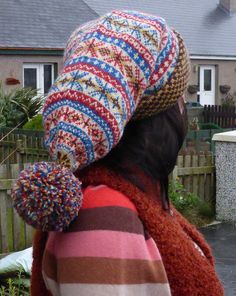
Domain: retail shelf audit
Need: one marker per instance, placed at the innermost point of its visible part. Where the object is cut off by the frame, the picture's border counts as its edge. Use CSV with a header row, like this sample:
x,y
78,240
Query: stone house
x,y
34,33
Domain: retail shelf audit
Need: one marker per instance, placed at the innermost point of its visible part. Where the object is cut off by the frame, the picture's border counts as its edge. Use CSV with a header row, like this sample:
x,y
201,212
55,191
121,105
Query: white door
x,y
207,85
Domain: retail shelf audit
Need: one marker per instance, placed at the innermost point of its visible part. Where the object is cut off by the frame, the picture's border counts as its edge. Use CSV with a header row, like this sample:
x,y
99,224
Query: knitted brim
x,y
161,99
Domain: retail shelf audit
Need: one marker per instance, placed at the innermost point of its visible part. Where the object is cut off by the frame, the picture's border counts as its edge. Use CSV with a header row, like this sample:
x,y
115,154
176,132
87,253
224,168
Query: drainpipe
x,y
229,6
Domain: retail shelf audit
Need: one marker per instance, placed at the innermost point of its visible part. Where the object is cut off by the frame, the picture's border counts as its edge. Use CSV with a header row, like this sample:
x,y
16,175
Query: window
x,y
207,79
38,76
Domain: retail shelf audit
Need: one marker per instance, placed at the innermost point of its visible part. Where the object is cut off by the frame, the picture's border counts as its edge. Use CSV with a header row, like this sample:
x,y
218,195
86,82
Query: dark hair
x,y
151,144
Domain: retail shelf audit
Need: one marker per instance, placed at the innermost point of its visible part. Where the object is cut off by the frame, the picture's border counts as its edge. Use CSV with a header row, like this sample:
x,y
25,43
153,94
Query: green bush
x,y
36,123
195,210
18,106
181,199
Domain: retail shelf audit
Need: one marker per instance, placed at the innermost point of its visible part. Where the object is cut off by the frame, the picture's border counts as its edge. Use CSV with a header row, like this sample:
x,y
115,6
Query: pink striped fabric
x,y
105,249
102,243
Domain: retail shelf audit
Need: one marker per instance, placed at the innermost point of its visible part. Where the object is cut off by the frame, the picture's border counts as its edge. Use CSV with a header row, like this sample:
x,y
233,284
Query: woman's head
x,y
150,145
113,74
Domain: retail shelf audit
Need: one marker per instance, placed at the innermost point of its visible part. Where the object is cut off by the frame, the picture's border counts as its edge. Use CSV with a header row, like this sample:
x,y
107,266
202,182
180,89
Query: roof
x,y
41,23
207,29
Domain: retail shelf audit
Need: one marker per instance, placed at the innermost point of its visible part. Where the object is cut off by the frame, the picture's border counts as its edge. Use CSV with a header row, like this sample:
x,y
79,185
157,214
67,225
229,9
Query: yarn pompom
x,y
47,196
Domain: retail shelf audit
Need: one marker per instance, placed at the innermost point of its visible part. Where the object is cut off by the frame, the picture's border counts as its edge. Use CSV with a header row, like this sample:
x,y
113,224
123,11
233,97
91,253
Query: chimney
x,y
228,6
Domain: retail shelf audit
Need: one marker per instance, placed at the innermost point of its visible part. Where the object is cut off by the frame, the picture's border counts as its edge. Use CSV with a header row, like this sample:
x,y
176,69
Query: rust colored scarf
x,y
189,273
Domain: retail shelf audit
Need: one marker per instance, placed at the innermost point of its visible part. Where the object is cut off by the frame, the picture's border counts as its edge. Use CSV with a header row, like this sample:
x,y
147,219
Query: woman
x,y
115,117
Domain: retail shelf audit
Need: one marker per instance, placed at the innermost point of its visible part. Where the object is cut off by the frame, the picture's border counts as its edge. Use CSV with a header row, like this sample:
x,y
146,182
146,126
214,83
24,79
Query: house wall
x,y
11,66
225,74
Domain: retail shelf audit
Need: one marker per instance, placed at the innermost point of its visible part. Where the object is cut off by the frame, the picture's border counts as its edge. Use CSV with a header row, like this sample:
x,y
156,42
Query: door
x,y
207,85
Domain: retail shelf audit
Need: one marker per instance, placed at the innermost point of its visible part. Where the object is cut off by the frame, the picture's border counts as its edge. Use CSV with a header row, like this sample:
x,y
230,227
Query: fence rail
x,y
195,172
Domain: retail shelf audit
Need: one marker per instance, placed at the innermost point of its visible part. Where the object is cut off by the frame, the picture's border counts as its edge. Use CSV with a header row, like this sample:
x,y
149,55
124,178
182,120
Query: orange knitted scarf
x,y
189,273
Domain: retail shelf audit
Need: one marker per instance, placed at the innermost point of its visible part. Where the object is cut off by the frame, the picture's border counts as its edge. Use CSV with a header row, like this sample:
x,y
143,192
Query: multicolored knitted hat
x,y
124,66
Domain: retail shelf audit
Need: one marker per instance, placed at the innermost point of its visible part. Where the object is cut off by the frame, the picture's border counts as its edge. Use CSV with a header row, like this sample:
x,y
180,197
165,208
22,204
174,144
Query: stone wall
x,y
225,160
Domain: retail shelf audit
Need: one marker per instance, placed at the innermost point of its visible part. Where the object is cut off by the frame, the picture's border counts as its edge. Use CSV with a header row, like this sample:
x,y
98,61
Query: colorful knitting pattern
x,y
47,196
109,65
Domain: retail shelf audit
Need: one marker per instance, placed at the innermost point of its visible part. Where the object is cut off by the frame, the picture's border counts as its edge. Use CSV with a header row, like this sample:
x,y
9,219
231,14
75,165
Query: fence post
x,y
19,158
175,173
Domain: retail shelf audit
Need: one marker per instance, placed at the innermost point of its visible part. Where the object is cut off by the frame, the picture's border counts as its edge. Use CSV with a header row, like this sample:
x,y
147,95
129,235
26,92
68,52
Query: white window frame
x,y
39,74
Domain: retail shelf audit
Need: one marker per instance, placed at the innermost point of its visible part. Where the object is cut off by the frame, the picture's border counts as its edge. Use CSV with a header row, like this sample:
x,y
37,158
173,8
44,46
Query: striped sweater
x,y
106,251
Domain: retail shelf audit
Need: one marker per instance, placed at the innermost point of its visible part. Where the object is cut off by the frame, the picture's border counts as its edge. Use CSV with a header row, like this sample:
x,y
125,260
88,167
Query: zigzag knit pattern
x,y
117,67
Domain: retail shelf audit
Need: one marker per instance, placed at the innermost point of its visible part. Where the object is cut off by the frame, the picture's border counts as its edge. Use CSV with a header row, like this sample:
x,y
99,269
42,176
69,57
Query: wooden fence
x,y
195,172
223,116
15,235
27,146
21,147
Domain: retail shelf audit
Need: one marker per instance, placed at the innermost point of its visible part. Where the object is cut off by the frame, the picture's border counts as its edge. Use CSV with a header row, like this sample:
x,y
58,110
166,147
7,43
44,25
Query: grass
x,y
18,286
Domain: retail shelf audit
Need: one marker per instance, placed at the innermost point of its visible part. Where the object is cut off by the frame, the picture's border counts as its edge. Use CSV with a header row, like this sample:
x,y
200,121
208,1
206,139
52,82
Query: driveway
x,y
222,239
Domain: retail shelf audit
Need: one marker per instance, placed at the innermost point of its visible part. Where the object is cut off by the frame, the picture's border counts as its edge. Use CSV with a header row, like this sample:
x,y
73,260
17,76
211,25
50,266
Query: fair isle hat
x,y
123,66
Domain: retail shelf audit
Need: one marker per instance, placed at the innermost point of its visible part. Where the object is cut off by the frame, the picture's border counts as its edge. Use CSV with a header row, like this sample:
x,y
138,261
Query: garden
x,y
20,117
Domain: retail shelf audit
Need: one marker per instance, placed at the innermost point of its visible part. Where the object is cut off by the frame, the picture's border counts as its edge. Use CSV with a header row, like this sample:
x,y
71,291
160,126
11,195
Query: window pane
x,y
47,77
207,79
30,77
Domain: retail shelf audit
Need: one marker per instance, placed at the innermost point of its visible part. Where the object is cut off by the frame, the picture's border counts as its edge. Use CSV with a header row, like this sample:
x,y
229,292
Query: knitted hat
x,y
125,65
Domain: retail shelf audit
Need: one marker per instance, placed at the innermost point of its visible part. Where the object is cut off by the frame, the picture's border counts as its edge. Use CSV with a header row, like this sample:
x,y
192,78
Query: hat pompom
x,y
47,196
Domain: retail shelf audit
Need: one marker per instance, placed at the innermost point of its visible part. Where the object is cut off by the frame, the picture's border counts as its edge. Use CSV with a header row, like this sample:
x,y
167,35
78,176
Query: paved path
x,y
222,239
